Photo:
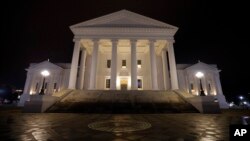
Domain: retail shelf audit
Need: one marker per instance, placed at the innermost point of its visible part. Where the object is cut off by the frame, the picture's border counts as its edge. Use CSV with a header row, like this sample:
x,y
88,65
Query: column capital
x,y
171,41
133,40
164,49
114,39
83,49
152,40
76,40
95,40
30,73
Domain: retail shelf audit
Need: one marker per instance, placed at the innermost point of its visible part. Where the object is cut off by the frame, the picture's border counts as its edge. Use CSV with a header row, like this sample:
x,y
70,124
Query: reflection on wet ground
x,y
121,127
118,126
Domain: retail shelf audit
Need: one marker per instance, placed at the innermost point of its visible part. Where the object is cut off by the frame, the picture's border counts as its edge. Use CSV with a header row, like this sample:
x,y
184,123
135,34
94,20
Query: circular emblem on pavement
x,y
119,126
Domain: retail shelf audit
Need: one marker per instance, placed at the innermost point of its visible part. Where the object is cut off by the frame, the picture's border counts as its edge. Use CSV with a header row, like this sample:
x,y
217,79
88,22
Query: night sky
x,y
212,32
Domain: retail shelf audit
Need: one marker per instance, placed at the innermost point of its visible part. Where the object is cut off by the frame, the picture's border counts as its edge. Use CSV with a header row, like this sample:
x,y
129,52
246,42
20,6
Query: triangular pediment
x,y
124,18
45,65
202,66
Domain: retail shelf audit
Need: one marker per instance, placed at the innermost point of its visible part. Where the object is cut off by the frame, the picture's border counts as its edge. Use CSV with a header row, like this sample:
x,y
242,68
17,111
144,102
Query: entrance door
x,y
124,84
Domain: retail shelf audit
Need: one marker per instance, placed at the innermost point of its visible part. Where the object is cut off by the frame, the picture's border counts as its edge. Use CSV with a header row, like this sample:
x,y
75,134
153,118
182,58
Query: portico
x,y
118,51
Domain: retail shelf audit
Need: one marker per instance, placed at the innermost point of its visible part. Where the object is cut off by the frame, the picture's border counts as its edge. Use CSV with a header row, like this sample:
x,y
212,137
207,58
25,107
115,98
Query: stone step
x,y
114,101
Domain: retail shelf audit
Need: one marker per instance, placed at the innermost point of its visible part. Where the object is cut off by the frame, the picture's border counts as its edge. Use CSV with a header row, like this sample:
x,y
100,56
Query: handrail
x,y
59,99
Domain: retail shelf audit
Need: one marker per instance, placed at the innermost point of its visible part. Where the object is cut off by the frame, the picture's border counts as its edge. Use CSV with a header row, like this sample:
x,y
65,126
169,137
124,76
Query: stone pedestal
x,y
205,104
39,103
23,99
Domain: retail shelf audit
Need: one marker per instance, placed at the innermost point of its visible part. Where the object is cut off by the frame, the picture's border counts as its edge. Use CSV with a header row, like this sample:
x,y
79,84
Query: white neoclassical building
x,y
124,51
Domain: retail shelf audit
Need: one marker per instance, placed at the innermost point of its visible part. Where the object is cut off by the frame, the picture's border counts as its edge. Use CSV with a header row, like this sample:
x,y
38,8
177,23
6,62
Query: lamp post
x,y
241,101
246,105
200,75
44,73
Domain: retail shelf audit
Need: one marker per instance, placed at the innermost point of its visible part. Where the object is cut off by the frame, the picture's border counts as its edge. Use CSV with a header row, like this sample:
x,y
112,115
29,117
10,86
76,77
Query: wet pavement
x,y
76,127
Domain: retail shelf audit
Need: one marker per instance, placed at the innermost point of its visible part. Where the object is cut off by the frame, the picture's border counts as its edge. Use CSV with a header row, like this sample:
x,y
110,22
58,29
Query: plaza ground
x,y
16,125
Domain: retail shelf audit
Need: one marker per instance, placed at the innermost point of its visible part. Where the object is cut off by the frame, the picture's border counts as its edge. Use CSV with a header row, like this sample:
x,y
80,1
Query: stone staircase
x,y
114,101
204,104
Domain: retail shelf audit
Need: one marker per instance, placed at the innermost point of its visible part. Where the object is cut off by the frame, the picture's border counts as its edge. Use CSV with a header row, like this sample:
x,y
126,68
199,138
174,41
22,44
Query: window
x,y
107,83
192,86
123,63
108,63
209,86
36,86
54,85
55,89
138,63
45,87
139,83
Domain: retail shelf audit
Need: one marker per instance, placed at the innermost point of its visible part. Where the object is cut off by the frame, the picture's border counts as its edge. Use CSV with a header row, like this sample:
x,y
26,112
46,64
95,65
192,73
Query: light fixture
x,y
241,97
44,73
200,75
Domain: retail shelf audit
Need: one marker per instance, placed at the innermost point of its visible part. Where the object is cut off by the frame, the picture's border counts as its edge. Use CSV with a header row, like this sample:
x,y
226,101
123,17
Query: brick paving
x,y
71,126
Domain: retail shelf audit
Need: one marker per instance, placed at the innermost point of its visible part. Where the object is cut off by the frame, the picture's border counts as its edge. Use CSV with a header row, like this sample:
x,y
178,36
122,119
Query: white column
x,y
220,96
50,83
114,65
153,66
27,84
133,65
165,69
93,65
82,69
172,64
205,87
188,83
26,93
218,84
74,65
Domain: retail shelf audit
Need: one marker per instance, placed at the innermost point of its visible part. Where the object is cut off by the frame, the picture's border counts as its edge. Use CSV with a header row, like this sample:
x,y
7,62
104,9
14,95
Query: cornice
x,y
123,30
137,18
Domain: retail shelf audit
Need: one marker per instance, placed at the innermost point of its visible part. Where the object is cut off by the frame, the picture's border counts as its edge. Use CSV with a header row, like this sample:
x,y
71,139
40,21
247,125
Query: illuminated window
x,y
36,86
123,63
107,83
139,83
108,63
139,63
192,88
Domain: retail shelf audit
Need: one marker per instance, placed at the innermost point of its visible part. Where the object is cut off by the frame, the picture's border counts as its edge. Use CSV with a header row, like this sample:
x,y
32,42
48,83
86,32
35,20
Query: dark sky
x,y
213,32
